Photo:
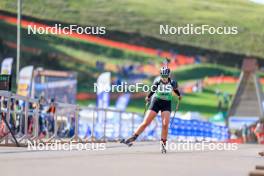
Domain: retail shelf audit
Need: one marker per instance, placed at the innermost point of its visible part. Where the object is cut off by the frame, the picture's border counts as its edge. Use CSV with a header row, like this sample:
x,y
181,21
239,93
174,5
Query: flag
x,y
103,93
122,102
24,82
6,67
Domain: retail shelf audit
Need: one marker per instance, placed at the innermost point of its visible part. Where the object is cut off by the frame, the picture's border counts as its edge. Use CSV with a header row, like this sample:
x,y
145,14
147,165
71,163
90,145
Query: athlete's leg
x,y
165,115
150,115
154,108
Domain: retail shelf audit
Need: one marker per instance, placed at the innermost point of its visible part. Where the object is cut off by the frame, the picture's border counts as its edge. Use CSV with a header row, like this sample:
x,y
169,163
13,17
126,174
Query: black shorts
x,y
160,105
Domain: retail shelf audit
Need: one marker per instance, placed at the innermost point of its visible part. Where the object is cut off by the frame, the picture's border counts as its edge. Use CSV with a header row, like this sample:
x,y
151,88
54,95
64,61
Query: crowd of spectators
x,y
253,133
46,118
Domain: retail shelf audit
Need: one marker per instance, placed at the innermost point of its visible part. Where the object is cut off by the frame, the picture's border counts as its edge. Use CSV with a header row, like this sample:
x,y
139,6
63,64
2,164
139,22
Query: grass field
x,y
70,54
81,50
144,18
81,57
193,72
204,102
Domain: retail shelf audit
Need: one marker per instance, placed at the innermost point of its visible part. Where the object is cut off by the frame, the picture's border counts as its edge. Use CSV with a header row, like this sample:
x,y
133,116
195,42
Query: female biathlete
x,y
160,98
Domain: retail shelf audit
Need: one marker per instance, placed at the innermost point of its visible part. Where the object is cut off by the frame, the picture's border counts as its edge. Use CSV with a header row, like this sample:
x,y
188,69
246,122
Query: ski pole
x,y
146,105
177,107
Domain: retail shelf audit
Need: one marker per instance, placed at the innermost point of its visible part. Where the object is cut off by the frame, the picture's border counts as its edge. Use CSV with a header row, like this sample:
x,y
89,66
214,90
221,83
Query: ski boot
x,y
261,153
129,141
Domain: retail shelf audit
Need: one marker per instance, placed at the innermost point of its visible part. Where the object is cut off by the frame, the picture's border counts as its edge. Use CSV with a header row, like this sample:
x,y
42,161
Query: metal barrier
x,y
28,114
106,121
30,121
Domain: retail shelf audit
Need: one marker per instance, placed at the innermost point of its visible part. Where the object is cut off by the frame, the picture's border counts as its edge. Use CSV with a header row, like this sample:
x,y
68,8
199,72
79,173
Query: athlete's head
x,y
164,72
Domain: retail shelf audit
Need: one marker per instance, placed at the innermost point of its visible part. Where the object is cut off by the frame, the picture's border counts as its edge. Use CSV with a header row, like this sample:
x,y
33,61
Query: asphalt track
x,y
141,159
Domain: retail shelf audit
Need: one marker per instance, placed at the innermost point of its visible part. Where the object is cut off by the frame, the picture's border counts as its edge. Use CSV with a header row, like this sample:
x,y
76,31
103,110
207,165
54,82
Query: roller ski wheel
x,y
163,150
123,141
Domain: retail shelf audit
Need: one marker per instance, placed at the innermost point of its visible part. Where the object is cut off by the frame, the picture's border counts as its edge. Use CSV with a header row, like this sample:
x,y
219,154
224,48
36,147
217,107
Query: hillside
x,y
130,17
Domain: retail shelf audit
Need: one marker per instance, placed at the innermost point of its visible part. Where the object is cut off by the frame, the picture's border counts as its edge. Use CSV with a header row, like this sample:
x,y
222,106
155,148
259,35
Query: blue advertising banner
x,y
122,102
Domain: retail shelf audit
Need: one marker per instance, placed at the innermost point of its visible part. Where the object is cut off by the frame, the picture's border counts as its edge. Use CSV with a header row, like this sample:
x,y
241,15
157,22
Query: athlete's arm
x,y
177,92
176,89
153,89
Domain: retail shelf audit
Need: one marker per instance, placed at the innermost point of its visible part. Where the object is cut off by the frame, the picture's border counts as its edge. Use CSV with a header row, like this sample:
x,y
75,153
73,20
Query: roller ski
x,y
129,141
163,144
163,150
261,154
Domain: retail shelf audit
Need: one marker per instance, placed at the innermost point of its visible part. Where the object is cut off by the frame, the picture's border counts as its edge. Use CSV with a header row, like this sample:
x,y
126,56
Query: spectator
x,y
2,125
51,113
259,132
219,105
30,118
12,120
245,132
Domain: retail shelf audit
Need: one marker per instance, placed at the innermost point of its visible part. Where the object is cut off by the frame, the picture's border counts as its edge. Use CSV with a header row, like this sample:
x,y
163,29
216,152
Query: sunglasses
x,y
164,76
